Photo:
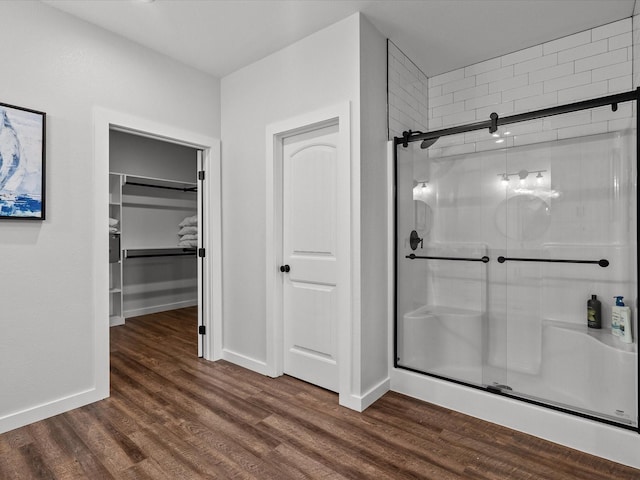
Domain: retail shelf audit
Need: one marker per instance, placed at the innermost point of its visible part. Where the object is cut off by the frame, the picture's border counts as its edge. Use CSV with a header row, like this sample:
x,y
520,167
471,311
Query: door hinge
x,y
202,330
201,252
201,175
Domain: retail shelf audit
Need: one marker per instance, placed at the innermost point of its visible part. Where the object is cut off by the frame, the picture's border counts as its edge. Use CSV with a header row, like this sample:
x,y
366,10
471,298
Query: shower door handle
x,y
484,259
603,262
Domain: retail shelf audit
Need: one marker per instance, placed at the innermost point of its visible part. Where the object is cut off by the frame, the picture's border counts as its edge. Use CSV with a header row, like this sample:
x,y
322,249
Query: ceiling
x,y
221,36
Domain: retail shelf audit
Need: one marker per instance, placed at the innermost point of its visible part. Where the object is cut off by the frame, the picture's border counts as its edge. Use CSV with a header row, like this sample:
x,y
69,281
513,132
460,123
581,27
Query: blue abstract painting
x,y
22,139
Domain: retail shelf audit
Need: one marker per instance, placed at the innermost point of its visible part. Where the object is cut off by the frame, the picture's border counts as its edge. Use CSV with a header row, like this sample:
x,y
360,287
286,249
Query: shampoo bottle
x,y
621,316
594,319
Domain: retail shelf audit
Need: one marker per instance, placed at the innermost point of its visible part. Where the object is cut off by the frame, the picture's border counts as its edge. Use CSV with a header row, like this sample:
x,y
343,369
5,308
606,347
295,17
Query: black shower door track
x,y
492,124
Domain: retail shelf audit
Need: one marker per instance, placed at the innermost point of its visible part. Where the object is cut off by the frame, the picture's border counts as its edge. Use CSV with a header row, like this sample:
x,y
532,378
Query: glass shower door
x,y
570,226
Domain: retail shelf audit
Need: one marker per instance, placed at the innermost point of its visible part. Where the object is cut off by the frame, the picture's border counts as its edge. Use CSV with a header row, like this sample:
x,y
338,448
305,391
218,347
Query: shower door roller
x,y
285,268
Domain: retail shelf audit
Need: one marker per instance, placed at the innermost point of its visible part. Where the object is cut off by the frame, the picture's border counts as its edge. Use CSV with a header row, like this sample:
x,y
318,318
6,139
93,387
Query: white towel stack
x,y
188,234
114,225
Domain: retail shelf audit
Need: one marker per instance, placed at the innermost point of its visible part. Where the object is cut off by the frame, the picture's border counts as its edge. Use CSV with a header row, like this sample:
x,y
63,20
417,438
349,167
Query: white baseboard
x,y
246,362
160,308
50,409
361,403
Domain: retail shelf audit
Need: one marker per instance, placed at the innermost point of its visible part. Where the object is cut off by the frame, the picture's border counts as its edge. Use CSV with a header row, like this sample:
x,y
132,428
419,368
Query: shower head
x,y
428,142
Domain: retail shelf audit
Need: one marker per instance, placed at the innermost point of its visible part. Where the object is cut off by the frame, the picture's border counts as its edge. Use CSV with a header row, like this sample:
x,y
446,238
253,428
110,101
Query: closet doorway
x,y
155,218
208,212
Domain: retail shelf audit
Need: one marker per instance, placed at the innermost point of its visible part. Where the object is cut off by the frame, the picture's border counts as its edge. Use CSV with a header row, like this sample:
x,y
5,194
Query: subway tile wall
x,y
585,65
407,90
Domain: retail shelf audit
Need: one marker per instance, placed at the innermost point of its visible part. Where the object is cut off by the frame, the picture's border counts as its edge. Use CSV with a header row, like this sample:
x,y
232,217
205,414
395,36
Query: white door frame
x,y
105,120
276,132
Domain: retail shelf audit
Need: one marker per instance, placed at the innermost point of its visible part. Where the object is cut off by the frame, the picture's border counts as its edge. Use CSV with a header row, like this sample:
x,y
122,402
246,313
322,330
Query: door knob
x,y
285,268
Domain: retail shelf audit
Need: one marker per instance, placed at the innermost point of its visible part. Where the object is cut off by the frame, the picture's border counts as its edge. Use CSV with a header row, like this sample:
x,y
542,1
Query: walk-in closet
x,y
153,226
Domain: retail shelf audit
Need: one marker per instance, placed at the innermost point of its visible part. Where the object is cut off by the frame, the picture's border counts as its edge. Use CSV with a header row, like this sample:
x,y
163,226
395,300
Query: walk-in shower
x,y
504,230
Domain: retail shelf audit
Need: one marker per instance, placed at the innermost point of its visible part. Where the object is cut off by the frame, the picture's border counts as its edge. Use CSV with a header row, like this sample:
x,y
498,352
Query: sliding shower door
x,y
570,223
445,260
501,239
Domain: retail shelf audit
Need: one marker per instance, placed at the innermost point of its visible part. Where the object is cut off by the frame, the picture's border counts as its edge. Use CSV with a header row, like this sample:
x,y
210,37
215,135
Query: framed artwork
x,y
22,163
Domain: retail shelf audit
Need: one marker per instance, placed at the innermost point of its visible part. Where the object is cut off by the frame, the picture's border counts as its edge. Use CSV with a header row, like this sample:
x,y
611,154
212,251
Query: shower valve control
x,y
415,240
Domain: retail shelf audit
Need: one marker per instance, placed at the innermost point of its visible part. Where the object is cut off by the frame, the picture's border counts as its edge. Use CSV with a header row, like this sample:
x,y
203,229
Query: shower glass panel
x,y
501,239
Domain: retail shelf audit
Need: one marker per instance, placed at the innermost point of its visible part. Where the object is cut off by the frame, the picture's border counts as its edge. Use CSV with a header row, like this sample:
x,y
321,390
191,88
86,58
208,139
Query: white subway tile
x,y
620,124
522,92
541,137
536,64
611,29
494,144
524,128
440,101
495,75
458,150
435,123
456,85
582,130
551,72
482,67
567,42
602,60
501,109
482,101
534,103
471,93
435,91
621,41
522,55
601,114
448,77
583,51
509,83
612,71
448,109
583,92
458,118
567,120
621,84
582,78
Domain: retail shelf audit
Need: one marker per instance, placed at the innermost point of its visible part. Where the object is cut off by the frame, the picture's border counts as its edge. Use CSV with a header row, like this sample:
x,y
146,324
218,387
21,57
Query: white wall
x,y
65,67
373,210
319,71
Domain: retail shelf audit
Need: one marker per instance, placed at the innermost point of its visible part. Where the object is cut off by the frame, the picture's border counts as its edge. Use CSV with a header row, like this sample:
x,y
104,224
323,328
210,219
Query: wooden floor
x,y
174,416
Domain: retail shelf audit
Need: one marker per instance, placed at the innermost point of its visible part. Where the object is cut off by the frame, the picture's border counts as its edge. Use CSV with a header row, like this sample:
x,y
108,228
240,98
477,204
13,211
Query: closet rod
x,y
185,253
181,189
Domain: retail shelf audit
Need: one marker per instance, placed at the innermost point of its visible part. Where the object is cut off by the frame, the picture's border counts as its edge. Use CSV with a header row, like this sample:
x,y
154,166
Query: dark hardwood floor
x,y
174,416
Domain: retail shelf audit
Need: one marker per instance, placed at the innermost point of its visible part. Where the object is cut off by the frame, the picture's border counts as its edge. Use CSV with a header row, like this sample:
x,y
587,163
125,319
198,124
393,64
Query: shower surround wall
x,y
593,63
589,64
407,92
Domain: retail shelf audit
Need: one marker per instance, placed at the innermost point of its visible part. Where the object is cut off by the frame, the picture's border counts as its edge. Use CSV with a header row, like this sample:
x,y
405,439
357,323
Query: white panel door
x,y
309,257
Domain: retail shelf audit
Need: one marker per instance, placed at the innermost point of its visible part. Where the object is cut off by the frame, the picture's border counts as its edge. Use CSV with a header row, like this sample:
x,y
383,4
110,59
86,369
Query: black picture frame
x,y
22,163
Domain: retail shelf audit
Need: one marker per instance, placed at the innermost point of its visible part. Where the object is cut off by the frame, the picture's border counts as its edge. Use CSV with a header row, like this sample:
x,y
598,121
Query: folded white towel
x,y
188,243
189,221
113,222
188,231
188,237
113,229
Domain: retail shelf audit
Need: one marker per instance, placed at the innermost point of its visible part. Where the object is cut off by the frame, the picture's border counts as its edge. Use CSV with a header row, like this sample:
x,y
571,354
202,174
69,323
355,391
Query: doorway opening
x,y
208,250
